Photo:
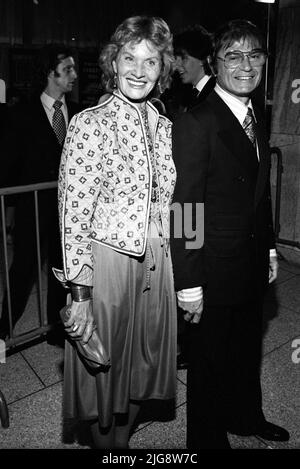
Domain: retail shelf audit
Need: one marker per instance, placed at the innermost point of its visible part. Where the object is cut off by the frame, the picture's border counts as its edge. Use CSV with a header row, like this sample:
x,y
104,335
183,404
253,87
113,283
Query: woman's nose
x,y
139,69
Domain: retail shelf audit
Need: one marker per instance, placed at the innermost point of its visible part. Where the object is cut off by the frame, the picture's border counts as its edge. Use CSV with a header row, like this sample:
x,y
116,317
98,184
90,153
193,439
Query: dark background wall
x,y
25,25
88,22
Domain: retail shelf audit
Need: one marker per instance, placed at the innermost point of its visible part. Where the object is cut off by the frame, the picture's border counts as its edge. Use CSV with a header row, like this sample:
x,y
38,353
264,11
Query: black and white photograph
x,y
149,229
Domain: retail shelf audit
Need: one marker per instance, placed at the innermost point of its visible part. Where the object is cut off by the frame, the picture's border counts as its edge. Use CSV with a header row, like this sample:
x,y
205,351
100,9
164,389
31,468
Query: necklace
x,y
154,193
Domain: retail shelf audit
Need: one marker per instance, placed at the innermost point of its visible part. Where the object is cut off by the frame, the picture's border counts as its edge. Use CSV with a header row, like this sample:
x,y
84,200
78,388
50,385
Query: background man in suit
x,y
192,49
40,130
223,161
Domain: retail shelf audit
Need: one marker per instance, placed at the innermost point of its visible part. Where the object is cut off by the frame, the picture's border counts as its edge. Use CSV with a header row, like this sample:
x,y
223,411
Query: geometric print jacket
x,y
105,181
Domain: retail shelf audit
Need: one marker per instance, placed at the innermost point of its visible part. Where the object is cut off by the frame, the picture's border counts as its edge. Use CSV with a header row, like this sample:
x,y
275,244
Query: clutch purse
x,y
93,352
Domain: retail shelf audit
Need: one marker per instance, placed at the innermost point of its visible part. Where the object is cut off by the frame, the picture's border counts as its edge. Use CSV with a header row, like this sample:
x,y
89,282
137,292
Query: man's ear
x,y
212,65
50,74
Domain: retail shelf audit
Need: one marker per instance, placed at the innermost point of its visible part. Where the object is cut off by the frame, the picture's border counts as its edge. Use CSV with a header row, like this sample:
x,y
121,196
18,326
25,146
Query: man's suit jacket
x,y
196,99
38,155
218,166
33,157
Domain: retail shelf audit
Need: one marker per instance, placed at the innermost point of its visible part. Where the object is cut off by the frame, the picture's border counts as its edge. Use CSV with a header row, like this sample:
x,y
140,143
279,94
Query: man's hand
x,y
80,325
273,268
193,310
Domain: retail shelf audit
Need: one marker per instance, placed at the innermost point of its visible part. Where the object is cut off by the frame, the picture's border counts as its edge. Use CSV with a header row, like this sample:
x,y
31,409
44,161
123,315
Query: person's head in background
x,y
192,49
55,71
138,60
239,55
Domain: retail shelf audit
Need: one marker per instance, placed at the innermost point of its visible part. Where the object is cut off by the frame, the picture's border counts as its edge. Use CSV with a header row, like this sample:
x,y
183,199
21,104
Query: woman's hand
x,y
80,324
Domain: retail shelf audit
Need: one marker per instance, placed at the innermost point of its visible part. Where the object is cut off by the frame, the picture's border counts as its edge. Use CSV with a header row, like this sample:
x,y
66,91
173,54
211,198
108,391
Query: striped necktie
x,y
249,126
58,122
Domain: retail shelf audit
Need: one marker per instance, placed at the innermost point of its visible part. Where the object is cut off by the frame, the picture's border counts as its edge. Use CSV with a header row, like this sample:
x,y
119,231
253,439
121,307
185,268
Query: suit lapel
x,y
232,134
207,89
73,108
42,123
202,95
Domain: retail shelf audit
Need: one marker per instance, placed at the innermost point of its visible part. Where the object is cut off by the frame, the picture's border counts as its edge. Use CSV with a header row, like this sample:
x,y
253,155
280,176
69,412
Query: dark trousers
x,y
223,379
182,333
24,269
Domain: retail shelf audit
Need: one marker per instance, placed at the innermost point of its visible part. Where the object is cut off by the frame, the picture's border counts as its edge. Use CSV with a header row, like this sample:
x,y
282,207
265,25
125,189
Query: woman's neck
x,y
140,104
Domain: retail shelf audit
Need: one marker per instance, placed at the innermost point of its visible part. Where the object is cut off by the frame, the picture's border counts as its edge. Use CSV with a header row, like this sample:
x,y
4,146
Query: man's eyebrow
x,y
256,49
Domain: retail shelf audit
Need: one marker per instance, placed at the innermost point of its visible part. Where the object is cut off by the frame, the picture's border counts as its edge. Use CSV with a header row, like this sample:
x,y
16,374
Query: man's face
x,y
244,78
63,78
190,68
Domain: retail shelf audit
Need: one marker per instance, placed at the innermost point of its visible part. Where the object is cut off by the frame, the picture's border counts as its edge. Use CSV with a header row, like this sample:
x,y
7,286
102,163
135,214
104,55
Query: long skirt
x,y
134,307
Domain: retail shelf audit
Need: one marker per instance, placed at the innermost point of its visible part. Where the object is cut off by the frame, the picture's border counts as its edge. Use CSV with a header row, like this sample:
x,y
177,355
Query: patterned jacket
x,y
105,182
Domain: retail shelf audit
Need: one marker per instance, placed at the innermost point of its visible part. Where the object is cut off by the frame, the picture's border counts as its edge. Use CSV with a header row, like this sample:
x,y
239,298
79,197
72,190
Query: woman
x,y
115,188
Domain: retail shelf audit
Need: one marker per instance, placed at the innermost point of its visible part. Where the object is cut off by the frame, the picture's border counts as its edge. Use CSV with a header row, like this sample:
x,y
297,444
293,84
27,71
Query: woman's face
x,y
137,67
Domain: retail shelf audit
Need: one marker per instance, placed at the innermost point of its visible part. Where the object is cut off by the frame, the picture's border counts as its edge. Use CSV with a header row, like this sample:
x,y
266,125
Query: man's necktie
x,y
249,126
58,122
196,92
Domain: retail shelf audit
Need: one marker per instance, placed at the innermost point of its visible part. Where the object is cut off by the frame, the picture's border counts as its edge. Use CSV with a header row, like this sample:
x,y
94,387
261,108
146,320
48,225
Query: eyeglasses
x,y
256,57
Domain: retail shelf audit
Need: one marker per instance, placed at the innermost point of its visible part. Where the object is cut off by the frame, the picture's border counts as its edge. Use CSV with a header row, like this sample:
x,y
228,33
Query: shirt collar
x,y
201,83
236,106
48,101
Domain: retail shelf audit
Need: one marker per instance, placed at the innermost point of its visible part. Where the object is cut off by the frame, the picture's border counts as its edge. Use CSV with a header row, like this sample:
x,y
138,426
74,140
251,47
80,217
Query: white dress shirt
x,y
48,102
201,83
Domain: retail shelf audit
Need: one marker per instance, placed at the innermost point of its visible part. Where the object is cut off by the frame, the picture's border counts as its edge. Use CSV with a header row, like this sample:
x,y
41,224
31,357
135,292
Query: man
x,y
40,129
223,161
192,49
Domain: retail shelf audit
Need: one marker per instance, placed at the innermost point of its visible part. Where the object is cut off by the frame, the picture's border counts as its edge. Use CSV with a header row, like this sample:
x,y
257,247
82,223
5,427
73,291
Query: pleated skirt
x,y
134,307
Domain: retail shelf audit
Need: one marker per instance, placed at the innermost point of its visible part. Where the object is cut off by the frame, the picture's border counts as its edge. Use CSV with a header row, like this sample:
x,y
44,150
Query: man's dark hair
x,y
236,30
47,61
195,41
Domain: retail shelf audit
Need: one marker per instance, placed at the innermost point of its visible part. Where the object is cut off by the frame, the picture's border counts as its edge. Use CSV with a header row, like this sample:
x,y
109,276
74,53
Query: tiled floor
x,y
32,380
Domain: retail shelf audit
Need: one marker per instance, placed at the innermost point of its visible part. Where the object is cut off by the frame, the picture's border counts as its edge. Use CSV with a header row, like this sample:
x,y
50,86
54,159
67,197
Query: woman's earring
x,y
159,87
115,81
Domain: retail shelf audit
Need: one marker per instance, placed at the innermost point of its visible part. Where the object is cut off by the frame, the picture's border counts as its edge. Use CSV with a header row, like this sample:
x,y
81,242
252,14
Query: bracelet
x,y
79,300
80,292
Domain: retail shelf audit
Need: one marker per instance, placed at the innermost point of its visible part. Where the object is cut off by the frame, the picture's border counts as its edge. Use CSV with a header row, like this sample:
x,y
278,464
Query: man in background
x,y
192,49
39,129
